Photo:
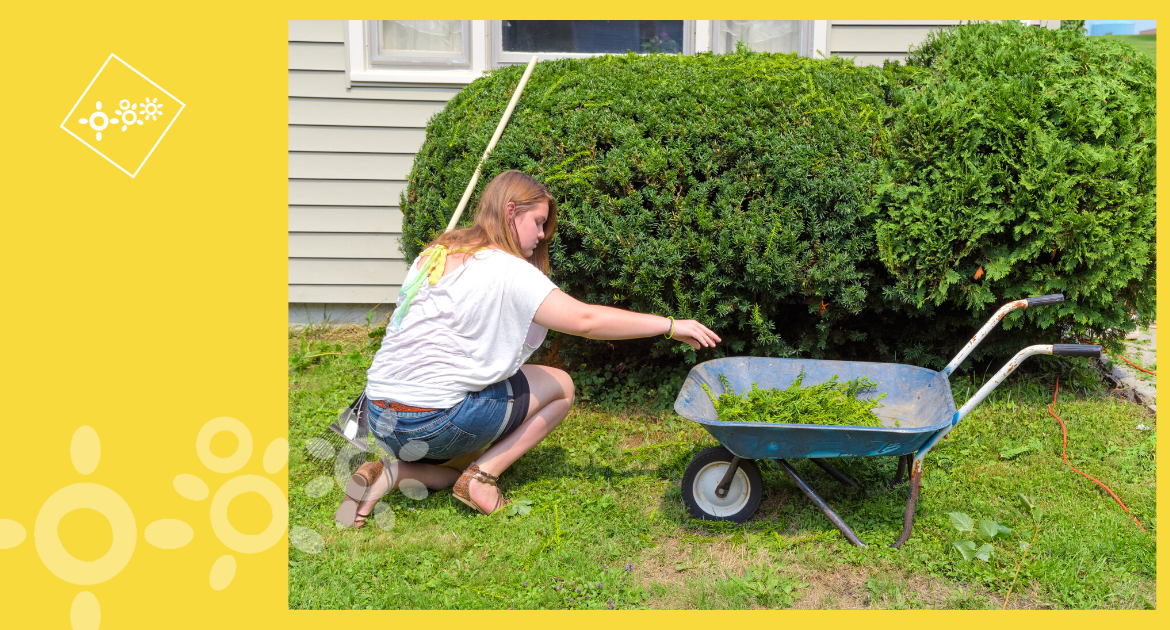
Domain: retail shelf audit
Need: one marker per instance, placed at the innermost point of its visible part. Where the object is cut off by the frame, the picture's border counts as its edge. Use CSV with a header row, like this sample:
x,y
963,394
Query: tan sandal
x,y
462,488
355,492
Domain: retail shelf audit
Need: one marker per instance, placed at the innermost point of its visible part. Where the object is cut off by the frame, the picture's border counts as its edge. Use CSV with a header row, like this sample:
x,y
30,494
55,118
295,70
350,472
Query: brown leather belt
x,y
394,406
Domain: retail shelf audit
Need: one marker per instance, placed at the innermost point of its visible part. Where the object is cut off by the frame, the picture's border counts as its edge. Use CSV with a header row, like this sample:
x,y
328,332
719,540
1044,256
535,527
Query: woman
x,y
449,394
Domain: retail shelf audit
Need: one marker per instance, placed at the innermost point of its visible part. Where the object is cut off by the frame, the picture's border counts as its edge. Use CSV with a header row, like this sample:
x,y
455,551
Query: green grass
x,y
608,528
1145,44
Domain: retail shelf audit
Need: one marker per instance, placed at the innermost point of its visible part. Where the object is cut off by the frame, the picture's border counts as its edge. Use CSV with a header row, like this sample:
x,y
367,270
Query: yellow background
x,y
146,307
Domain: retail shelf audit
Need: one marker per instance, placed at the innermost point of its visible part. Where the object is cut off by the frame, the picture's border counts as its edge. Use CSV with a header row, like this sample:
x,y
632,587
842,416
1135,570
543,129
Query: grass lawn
x,y
1145,44
607,527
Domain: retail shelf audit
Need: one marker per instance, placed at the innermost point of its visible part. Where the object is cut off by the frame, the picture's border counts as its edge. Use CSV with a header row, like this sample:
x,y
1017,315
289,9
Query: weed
x,y
767,586
890,593
989,531
964,599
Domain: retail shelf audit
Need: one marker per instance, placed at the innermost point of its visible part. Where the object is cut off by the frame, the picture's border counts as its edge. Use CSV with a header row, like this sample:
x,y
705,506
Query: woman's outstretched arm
x,y
562,313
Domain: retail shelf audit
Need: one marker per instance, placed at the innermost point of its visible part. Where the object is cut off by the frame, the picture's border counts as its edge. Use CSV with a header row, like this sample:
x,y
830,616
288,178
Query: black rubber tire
x,y
742,504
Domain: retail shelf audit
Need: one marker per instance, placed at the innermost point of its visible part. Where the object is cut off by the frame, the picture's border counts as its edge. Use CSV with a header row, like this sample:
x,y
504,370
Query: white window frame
x,y
501,58
437,61
814,41
363,66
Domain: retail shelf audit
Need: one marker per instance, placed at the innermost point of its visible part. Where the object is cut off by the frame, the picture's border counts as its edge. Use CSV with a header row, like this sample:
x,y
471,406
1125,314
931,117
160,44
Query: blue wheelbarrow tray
x,y
918,410
918,403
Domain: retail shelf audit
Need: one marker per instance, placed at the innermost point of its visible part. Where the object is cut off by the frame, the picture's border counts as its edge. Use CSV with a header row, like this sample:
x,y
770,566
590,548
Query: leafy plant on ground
x,y
767,585
828,403
988,531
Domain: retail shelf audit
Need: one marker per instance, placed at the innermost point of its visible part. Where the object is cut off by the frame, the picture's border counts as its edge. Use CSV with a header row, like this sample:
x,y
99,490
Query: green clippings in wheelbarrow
x,y
828,403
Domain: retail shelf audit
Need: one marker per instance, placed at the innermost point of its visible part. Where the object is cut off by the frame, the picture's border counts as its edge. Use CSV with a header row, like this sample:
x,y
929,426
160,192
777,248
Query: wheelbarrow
x,y
723,483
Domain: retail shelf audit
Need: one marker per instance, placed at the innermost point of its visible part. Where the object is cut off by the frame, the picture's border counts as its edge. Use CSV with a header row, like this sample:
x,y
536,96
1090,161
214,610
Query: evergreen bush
x,y
732,189
812,208
1022,162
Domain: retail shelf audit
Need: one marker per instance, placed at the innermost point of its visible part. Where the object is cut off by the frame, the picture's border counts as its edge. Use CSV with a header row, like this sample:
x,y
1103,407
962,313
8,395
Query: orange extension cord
x,y
1131,363
1064,454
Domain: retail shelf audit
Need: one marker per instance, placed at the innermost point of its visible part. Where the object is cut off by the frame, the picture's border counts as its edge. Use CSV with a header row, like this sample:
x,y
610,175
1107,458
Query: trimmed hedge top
x,y
750,191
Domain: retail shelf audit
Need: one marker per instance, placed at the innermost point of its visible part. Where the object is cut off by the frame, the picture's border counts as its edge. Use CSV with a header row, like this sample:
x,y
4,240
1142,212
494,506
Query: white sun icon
x,y
92,121
128,114
194,488
150,109
85,451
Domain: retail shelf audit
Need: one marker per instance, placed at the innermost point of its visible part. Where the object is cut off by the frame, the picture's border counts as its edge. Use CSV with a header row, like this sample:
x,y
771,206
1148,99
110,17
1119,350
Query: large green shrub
x,y
730,189
1022,162
813,208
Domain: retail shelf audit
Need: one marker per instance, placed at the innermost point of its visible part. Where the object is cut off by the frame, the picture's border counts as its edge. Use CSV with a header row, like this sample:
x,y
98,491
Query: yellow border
x,y
145,307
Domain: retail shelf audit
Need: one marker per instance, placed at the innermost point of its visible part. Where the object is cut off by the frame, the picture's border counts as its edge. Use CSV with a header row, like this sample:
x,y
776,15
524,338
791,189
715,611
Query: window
x,y
416,52
440,43
514,41
774,36
456,52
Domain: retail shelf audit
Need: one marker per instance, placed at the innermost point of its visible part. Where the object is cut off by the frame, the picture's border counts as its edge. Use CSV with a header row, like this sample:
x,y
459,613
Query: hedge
x,y
730,189
789,204
1022,163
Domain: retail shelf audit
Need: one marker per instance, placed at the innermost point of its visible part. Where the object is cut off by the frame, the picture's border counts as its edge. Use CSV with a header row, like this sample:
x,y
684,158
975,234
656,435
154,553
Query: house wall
x,y
871,42
350,150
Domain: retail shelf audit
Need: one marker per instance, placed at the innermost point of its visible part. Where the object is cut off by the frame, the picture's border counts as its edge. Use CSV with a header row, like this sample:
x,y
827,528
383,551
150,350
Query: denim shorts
x,y
434,437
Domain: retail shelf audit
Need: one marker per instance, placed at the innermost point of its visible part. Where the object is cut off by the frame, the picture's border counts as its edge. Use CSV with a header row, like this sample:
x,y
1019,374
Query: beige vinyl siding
x,y
315,299
345,271
871,42
342,245
329,31
350,151
354,139
316,56
376,166
332,85
343,219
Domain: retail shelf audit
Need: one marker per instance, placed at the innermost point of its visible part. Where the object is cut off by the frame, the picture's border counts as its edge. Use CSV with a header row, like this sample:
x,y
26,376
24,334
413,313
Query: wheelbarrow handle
x,y
1076,350
1042,300
1060,350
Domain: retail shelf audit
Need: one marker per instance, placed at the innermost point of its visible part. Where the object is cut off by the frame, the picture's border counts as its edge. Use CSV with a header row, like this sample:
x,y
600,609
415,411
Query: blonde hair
x,y
491,226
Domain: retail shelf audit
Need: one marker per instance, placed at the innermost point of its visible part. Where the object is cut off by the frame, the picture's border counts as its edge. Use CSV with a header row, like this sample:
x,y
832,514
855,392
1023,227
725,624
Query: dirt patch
x,y
332,334
675,566
676,569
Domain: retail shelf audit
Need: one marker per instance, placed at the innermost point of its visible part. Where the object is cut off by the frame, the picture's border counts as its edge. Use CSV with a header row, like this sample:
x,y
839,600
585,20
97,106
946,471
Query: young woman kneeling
x,y
448,392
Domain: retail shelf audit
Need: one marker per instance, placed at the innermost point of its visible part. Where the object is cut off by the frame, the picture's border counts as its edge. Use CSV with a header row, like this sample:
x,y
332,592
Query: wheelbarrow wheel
x,y
703,476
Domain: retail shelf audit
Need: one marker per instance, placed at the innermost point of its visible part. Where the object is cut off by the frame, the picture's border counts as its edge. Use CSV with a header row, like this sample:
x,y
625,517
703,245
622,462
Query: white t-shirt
x,y
470,330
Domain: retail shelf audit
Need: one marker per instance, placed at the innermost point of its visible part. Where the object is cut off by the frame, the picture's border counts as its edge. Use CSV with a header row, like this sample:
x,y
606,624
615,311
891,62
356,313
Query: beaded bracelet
x,y
670,333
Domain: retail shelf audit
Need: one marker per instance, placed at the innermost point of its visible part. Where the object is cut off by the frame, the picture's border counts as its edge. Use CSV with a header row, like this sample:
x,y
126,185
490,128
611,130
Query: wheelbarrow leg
x,y
837,521
911,503
838,475
902,460
725,483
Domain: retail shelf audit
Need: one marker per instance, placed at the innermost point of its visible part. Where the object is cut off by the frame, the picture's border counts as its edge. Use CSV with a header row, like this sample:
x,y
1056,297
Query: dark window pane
x,y
593,36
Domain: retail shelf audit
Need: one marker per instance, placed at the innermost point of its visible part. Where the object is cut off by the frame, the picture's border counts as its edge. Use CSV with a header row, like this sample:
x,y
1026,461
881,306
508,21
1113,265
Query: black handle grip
x,y
1041,300
1076,350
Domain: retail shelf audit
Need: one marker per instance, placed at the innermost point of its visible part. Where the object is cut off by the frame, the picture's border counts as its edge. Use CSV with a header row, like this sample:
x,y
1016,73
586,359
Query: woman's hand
x,y
562,313
694,334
